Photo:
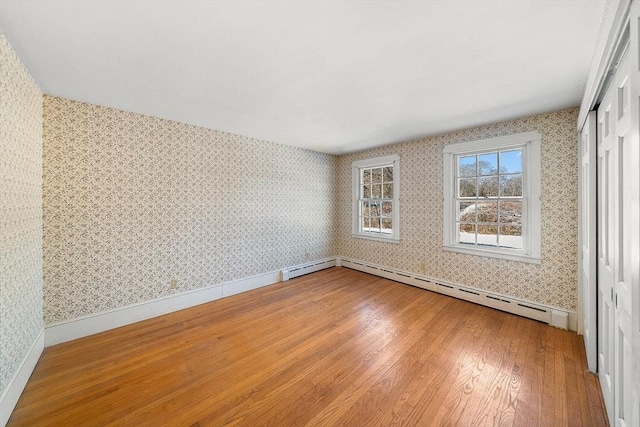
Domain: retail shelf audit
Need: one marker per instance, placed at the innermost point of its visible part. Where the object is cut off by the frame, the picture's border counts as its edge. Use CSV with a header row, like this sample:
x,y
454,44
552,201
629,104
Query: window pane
x,y
488,186
511,185
365,208
487,212
488,235
376,191
488,164
365,222
375,222
387,208
467,166
366,191
511,236
511,212
376,175
467,187
366,176
374,208
467,233
387,191
388,174
386,225
511,161
467,211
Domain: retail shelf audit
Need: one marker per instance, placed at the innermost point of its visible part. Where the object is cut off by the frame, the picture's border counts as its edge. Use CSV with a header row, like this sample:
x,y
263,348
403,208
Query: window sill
x,y
494,254
378,238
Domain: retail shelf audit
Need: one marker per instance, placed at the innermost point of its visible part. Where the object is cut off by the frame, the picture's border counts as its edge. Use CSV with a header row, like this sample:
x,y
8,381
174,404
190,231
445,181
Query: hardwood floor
x,y
334,348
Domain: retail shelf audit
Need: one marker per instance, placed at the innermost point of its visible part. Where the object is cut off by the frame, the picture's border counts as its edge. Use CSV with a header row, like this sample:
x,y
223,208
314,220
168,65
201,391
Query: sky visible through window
x,y
510,161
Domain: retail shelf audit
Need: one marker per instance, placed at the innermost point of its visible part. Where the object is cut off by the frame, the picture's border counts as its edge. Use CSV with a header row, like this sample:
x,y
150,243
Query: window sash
x,y
380,217
500,243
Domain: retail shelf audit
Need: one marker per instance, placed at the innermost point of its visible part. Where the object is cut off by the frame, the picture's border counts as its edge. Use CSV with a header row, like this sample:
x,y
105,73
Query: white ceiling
x,y
332,76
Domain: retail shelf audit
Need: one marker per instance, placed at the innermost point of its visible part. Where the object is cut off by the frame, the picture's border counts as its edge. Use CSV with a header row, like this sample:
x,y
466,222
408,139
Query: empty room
x,y
320,213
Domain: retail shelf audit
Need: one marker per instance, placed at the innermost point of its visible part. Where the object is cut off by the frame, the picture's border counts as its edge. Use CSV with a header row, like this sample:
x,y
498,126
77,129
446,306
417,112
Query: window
x,y
492,197
376,205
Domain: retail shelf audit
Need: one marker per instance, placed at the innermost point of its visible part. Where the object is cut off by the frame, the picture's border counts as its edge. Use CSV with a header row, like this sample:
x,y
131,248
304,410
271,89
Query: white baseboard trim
x,y
92,324
553,316
12,392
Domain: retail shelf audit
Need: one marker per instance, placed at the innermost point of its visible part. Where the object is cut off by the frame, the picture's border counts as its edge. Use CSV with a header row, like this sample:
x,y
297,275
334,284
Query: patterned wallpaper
x,y
132,202
20,212
553,282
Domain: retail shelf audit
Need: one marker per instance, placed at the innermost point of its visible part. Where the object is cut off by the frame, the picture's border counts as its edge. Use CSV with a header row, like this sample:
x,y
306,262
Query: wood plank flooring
x,y
334,348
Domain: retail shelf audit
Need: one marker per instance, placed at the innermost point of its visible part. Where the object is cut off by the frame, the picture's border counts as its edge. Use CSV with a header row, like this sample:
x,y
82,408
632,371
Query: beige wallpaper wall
x,y
20,212
553,282
133,202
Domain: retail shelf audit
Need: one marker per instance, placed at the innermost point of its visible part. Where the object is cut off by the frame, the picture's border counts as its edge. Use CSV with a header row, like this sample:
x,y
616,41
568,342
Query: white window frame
x,y
530,143
356,171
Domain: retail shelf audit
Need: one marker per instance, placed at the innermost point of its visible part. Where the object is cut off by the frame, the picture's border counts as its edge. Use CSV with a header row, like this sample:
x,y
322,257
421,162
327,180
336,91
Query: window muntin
x,y
375,195
492,197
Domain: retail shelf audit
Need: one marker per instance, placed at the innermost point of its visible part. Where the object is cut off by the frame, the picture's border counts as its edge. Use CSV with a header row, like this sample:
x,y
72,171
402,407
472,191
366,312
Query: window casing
x,y
492,197
376,198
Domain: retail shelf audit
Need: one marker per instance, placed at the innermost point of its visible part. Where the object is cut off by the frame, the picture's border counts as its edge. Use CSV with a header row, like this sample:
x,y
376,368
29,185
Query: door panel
x,y
618,118
618,230
620,186
587,259
606,279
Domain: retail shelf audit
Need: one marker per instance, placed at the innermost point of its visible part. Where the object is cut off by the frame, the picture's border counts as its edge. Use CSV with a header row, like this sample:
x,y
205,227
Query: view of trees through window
x,y
376,199
489,198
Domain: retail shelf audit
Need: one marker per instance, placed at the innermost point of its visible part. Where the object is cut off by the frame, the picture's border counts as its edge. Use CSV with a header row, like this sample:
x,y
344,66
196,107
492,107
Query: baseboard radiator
x,y
302,269
550,315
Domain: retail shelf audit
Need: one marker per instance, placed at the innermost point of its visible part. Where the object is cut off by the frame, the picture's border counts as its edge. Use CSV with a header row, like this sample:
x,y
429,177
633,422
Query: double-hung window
x,y
492,197
376,201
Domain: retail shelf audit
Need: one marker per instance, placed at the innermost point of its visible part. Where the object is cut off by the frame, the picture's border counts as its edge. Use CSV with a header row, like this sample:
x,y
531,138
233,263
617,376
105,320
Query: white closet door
x,y
622,146
618,220
587,270
618,261
606,248
628,286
